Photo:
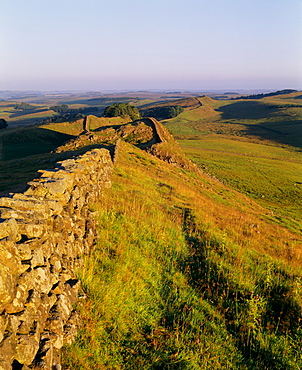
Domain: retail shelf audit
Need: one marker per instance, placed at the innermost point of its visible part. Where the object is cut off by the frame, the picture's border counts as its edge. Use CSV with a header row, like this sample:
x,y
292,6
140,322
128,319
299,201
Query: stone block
x,y
71,288
7,351
25,203
8,284
26,349
33,230
38,279
37,257
9,229
25,251
18,302
9,256
3,325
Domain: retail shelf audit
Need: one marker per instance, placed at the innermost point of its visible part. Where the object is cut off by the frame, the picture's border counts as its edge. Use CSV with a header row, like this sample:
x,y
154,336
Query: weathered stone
x,y
13,323
71,288
9,256
38,279
32,230
26,349
17,305
23,203
7,286
27,322
5,364
9,228
71,328
55,263
44,232
48,247
57,186
64,307
37,257
7,351
3,324
24,251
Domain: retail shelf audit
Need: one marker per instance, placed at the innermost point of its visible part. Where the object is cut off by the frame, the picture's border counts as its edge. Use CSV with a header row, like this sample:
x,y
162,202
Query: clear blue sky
x,y
158,44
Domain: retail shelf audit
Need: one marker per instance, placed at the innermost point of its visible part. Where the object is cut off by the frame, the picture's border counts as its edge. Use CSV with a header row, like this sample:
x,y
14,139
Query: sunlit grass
x,y
186,275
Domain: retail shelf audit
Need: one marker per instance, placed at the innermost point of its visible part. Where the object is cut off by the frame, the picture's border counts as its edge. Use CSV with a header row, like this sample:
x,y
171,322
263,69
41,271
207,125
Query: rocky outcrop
x,y
44,232
136,132
166,148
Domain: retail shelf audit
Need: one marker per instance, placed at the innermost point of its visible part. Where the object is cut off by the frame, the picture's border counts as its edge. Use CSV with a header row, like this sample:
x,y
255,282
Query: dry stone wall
x,y
44,233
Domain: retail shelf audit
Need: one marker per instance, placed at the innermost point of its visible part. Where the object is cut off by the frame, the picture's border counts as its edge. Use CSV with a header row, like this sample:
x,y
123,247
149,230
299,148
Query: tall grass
x,y
172,284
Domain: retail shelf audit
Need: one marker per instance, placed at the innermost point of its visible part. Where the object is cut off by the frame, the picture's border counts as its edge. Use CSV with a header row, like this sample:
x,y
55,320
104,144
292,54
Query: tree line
x,y
164,112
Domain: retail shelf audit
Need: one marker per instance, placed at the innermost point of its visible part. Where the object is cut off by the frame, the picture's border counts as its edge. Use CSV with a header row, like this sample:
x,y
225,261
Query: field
x,y
254,147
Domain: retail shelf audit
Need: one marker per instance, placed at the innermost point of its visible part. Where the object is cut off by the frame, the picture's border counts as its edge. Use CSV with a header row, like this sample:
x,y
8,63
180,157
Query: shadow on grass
x,y
250,110
30,141
16,173
274,122
18,113
282,314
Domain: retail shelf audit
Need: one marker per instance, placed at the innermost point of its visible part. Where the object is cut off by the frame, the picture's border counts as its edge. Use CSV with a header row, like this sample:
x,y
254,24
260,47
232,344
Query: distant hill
x,y
260,96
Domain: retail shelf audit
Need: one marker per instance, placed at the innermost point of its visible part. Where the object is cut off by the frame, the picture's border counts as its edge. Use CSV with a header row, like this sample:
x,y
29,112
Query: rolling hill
x,y
198,259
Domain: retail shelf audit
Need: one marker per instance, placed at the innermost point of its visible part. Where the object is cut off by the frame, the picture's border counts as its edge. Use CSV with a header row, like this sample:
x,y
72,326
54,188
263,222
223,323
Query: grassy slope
x,y
186,275
25,150
253,146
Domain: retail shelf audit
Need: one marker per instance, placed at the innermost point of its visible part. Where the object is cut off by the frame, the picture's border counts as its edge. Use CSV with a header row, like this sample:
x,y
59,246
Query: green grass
x,y
252,146
268,174
171,285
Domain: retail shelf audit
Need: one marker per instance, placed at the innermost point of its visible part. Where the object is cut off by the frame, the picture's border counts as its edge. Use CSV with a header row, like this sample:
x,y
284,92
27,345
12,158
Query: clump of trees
x,y
60,108
164,112
66,114
3,123
24,106
122,110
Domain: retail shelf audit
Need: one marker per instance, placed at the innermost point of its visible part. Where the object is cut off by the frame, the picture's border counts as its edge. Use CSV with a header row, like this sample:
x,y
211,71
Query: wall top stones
x,y
43,234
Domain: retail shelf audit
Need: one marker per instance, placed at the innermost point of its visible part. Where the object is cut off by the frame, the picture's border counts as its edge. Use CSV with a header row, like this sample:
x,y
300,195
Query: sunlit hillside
x,y
197,263
254,146
186,274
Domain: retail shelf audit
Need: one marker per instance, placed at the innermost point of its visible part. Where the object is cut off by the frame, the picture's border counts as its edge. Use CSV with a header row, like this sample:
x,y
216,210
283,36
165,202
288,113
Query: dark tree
x,y
60,108
164,112
3,123
122,110
24,106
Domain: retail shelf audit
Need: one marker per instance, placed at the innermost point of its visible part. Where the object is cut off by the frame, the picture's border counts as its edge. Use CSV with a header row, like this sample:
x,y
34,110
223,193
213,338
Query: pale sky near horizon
x,y
159,44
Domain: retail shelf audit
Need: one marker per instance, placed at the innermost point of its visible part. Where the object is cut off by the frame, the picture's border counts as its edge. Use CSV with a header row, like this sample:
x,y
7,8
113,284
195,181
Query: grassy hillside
x,y
254,146
186,274
192,270
25,150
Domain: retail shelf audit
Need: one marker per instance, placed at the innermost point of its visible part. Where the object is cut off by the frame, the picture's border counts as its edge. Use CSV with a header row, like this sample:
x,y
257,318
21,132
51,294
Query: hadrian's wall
x,y
44,232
